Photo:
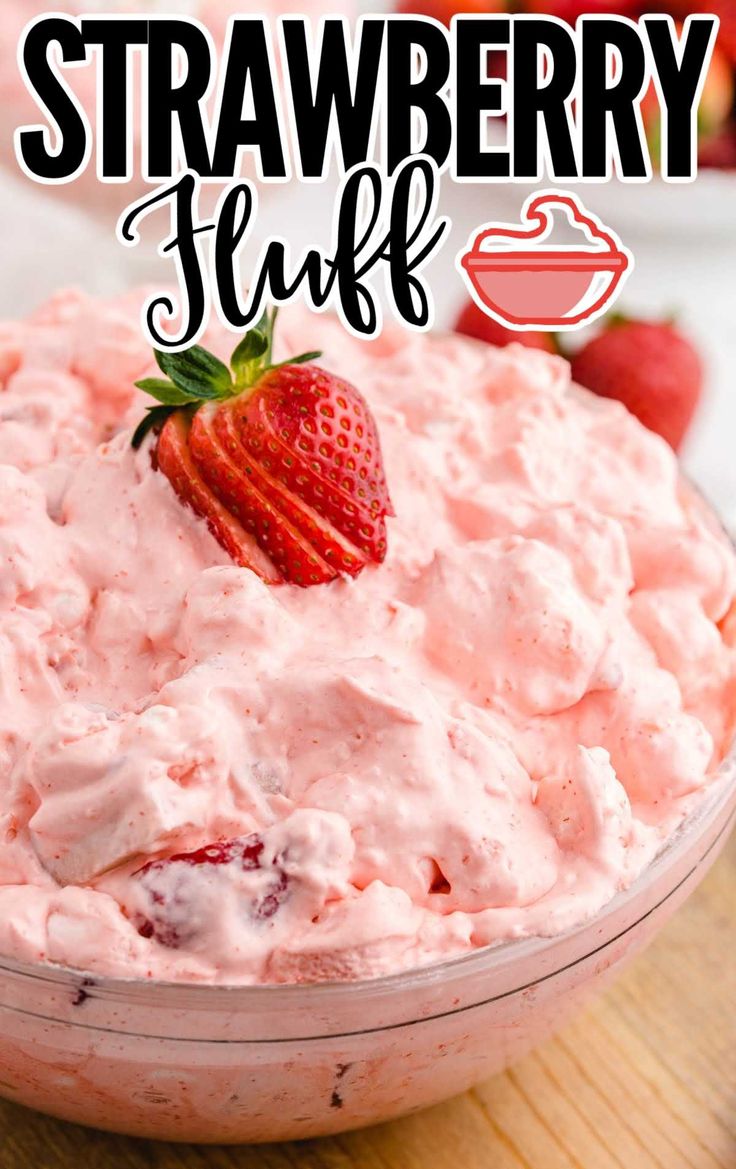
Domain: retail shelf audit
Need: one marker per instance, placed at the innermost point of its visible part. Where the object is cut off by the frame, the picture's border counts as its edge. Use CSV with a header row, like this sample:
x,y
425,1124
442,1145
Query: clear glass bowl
x,y
240,1064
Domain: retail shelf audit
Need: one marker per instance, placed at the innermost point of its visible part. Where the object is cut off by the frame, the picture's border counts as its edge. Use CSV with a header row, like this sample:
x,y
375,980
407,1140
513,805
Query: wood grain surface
x,y
646,1079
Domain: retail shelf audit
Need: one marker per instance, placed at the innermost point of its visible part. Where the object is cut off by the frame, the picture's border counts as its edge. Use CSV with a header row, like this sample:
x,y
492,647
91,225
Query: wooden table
x,y
645,1080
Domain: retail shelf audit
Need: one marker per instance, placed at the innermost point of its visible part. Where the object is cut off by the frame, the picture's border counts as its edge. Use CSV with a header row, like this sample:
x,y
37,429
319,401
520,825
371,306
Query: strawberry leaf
x,y
246,358
197,372
252,356
165,392
300,360
154,416
195,375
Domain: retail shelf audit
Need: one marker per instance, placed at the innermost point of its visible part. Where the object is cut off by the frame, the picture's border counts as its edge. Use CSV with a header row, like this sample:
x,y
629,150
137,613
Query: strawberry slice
x,y
231,482
315,433
317,530
289,454
175,460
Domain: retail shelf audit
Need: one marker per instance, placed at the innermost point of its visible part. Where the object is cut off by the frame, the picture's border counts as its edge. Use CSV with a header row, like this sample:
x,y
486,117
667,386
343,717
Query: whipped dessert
x,y
208,777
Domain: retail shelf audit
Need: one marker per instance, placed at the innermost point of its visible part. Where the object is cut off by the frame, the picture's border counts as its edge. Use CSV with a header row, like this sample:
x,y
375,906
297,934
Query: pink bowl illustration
x,y
543,287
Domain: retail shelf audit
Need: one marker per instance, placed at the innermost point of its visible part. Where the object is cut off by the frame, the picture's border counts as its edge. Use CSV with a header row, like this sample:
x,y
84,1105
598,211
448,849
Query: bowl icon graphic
x,y
536,286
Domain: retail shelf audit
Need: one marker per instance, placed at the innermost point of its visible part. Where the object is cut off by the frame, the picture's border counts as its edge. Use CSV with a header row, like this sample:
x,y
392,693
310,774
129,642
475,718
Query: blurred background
x,y
682,363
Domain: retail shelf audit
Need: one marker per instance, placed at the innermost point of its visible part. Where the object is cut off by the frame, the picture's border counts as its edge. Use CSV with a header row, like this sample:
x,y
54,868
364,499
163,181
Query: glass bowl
x,y
217,1064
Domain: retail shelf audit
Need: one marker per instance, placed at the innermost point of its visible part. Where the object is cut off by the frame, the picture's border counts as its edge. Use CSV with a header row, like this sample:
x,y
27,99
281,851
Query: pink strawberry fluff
x,y
485,738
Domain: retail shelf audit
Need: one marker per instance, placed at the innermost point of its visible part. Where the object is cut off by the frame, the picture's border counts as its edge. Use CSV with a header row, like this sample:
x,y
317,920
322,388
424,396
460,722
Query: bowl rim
x,y
712,801
551,261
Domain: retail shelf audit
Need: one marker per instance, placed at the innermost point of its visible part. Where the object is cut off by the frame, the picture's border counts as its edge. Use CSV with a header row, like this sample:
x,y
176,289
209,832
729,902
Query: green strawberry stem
x,y
195,375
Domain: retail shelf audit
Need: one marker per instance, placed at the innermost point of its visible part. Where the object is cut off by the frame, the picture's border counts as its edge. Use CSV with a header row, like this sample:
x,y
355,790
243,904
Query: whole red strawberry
x,y
651,368
473,322
283,461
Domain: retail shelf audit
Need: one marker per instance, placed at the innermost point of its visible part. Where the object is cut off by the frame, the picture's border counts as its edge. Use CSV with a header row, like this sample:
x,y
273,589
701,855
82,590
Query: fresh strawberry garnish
x,y
171,888
174,458
283,461
234,479
650,367
473,322
326,547
338,468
